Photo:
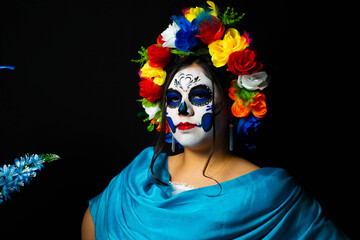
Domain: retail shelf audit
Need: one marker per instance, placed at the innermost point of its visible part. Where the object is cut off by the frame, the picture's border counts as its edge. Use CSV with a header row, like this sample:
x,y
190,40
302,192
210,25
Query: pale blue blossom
x,y
12,177
7,172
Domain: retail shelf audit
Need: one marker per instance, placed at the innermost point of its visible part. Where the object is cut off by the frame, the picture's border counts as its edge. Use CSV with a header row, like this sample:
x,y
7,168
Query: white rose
x,y
151,111
253,81
169,35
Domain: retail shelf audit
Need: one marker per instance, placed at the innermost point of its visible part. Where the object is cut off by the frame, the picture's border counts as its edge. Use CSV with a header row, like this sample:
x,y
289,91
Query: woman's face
x,y
190,106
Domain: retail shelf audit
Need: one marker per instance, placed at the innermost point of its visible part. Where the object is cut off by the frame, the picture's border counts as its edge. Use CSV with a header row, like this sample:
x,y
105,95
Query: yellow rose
x,y
157,74
221,49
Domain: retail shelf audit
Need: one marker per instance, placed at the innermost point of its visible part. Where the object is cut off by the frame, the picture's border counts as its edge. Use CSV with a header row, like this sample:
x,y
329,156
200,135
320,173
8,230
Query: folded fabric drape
x,y
264,204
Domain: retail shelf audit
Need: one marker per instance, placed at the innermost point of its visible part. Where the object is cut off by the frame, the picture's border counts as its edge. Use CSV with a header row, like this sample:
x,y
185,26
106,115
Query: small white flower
x,y
169,35
253,81
151,111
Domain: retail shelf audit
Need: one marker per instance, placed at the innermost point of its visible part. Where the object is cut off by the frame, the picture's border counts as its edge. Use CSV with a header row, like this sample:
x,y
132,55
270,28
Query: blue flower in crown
x,y
186,36
247,127
199,31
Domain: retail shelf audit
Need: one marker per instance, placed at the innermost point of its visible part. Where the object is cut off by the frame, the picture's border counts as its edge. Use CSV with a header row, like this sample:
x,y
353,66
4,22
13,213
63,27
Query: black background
x,y
74,93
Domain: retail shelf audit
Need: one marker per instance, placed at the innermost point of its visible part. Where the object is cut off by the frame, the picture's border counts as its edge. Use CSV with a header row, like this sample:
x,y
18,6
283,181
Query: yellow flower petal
x,y
193,13
221,49
158,75
160,79
213,8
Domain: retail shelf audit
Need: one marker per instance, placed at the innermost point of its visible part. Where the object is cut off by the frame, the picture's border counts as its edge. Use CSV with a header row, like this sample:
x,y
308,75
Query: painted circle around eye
x,y
200,95
173,98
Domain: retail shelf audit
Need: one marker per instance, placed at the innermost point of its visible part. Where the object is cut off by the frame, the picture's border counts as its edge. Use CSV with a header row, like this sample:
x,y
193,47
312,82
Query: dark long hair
x,y
219,79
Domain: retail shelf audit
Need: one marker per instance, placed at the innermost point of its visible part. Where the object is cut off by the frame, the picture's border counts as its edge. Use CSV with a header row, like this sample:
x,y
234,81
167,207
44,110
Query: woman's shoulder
x,y
137,167
239,166
147,151
271,183
272,186
273,179
144,156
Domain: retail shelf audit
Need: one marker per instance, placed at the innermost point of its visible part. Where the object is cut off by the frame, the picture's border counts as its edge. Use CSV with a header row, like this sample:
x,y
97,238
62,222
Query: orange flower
x,y
238,109
158,128
232,94
256,105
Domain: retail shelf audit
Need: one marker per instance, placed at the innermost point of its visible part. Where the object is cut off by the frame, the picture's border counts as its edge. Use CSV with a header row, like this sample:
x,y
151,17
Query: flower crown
x,y
198,31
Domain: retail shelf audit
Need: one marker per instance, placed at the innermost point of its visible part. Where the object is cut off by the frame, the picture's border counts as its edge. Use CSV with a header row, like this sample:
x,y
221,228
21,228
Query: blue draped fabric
x,y
264,204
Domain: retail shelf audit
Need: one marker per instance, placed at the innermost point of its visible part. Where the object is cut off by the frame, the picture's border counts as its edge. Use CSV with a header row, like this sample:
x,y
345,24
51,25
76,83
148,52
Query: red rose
x,y
244,62
150,90
211,30
158,56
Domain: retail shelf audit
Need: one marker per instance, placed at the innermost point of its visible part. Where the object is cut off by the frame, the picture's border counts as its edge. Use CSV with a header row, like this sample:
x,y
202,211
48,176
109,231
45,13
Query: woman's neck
x,y
189,166
195,159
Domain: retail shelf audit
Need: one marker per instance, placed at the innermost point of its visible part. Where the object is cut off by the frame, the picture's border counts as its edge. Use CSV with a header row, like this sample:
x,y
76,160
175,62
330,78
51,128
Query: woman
x,y
204,192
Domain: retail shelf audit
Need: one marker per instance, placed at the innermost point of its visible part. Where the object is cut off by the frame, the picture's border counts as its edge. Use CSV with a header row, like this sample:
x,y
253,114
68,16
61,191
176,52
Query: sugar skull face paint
x,y
190,106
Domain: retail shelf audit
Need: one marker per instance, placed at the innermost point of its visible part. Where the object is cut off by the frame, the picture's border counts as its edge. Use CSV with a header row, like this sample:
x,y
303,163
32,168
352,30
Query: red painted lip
x,y
186,126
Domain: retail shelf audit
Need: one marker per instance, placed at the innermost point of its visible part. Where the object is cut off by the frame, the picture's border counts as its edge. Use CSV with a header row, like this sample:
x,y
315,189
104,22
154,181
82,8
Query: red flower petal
x,y
149,90
158,56
244,62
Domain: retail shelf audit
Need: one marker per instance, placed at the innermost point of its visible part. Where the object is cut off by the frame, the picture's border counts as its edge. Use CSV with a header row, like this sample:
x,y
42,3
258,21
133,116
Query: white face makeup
x,y
190,106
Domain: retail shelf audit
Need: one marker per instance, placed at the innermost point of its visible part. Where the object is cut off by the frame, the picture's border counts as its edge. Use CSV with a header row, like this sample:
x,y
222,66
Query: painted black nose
x,y
183,110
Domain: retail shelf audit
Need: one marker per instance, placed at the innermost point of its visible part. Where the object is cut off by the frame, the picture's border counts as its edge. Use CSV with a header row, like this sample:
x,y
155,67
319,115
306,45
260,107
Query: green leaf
x,y
147,103
230,17
141,114
244,94
146,119
157,116
180,52
143,56
49,157
202,51
150,128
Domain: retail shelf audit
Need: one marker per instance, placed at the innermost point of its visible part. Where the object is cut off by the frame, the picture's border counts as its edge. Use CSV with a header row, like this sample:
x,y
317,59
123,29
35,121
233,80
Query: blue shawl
x,y
264,204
